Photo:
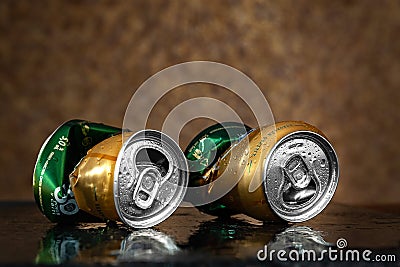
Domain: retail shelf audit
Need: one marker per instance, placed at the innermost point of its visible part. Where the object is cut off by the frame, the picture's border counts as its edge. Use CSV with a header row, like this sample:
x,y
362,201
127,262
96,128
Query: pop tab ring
x,y
150,179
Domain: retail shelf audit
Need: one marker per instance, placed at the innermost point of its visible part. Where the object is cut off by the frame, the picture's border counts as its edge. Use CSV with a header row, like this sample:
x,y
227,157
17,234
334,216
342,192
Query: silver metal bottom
x,y
150,179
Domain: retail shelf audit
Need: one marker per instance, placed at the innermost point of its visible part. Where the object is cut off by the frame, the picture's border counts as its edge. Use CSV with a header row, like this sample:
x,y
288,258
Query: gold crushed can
x,y
288,170
140,181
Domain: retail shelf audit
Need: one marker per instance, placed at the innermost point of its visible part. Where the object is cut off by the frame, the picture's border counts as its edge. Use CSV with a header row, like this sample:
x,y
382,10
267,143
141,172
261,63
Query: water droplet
x,y
323,162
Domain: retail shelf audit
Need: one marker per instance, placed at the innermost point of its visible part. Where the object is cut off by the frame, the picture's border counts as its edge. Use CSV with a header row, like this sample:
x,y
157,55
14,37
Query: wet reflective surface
x,y
188,237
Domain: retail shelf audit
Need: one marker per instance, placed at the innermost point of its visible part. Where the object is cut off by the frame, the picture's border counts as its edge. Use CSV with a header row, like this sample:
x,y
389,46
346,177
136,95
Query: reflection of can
x,y
147,245
80,244
204,151
140,181
289,170
56,160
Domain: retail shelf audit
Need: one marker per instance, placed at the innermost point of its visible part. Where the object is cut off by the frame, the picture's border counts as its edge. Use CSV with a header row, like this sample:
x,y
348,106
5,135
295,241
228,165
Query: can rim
x,y
38,195
319,204
171,206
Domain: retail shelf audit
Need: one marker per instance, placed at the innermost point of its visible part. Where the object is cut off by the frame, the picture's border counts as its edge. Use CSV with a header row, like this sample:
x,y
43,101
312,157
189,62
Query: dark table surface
x,y
190,237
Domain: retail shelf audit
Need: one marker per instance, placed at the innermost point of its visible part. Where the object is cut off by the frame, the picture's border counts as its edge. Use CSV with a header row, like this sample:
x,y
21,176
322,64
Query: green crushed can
x,y
57,158
204,151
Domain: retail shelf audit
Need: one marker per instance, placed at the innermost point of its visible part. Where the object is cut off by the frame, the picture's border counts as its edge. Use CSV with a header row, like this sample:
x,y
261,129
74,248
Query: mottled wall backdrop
x,y
334,64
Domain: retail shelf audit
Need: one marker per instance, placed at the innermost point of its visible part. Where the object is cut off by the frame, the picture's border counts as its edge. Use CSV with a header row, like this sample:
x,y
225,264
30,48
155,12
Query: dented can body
x,y
205,150
92,179
207,146
57,158
288,170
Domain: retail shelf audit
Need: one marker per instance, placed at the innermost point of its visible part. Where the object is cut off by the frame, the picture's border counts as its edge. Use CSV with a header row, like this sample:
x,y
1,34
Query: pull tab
x,y
147,187
301,187
297,171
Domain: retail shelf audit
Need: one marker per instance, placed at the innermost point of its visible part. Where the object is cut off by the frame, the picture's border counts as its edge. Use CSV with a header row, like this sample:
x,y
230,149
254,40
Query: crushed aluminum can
x,y
288,171
139,181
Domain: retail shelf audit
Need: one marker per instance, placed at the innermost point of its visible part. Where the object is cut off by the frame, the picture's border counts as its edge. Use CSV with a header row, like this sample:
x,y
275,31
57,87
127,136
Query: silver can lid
x,y
150,179
301,176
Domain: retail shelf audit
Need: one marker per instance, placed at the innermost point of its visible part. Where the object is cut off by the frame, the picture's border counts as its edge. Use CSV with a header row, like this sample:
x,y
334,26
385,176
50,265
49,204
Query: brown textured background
x,y
334,64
